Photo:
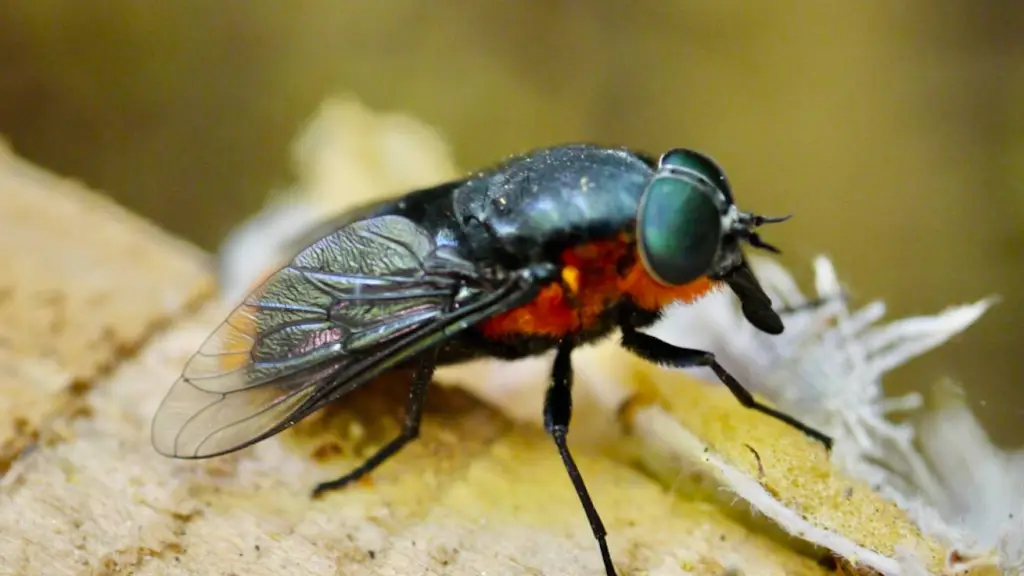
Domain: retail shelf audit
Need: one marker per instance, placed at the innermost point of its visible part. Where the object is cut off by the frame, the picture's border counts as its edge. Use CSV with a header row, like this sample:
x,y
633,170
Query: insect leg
x,y
557,413
660,352
410,427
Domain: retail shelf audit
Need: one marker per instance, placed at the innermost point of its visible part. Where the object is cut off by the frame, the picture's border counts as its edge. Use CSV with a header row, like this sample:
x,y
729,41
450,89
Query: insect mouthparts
x,y
754,240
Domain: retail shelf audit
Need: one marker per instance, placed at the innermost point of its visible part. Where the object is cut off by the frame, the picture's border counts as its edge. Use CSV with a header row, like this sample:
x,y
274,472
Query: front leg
x,y
658,351
557,413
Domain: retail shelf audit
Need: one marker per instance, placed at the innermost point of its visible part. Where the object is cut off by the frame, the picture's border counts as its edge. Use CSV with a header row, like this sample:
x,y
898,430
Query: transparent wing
x,y
305,333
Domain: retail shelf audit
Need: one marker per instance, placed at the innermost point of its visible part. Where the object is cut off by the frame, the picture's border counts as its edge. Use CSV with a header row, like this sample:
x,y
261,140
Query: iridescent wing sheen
x,y
344,309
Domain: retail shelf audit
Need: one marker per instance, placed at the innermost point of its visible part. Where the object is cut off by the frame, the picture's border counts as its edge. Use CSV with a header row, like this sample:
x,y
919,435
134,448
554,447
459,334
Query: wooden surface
x,y
82,285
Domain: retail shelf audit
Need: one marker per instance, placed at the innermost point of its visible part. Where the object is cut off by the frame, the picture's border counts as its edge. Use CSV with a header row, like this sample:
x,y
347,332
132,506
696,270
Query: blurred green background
x,y
893,131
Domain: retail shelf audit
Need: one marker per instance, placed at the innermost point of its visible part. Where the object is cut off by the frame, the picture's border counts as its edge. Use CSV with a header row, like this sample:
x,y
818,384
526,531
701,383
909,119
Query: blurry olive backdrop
x,y
893,131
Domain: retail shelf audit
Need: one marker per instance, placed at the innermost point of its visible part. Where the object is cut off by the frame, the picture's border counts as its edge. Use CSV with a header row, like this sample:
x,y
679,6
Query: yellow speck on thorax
x,y
571,278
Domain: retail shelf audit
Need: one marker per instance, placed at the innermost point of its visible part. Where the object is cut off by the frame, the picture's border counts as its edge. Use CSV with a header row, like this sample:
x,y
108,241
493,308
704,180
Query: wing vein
x,y
292,346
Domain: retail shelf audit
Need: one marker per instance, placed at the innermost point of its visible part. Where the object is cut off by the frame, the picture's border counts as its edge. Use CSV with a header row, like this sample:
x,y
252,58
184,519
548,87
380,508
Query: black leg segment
x,y
410,428
660,352
557,413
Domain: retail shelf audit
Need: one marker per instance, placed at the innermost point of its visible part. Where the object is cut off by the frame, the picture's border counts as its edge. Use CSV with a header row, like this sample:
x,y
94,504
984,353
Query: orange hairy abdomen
x,y
600,283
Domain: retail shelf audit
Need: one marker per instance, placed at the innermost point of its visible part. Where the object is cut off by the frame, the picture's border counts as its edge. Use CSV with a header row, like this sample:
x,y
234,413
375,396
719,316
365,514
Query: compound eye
x,y
701,164
678,230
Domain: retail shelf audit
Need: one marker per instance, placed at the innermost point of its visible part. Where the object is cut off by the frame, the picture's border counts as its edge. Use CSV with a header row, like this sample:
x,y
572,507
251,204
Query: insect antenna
x,y
758,220
745,224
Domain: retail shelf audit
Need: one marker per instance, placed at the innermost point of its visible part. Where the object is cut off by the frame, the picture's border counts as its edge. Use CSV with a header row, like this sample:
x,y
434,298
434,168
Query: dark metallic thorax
x,y
534,206
529,208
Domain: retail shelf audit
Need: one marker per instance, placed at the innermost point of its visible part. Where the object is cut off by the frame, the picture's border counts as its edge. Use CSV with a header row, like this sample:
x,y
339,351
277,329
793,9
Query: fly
x,y
549,250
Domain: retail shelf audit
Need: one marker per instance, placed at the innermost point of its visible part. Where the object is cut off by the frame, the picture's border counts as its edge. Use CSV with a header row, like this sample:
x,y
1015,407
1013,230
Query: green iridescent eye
x,y
678,230
700,164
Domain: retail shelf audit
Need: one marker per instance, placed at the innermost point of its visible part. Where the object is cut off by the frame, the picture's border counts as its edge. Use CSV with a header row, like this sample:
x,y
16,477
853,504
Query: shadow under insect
x,y
455,428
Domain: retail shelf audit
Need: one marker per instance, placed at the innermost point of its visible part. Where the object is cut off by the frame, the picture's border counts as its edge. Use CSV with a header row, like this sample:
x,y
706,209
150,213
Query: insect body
x,y
549,250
